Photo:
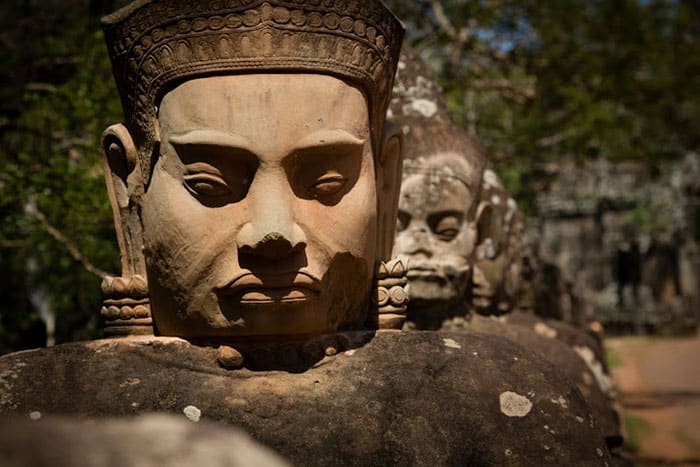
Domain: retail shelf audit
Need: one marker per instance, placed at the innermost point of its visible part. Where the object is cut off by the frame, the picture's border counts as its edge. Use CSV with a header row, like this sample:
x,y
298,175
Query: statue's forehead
x,y
421,193
443,167
222,100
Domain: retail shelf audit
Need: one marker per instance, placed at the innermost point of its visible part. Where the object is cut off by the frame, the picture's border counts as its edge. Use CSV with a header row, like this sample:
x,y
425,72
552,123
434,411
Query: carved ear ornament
x,y
126,309
391,293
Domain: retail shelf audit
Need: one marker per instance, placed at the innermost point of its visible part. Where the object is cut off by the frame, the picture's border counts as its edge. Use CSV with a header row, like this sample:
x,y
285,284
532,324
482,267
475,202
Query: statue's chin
x,y
434,292
432,303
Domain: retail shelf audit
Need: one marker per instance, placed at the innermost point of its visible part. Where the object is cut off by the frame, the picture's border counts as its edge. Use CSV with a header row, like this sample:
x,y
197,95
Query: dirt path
x,y
659,385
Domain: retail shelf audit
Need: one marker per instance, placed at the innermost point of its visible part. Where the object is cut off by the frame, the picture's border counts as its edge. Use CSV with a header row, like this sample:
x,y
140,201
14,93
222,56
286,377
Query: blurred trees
x,y
533,80
537,80
56,235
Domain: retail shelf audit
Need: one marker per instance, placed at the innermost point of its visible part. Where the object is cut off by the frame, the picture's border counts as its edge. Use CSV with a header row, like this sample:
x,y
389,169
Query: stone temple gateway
x,y
627,239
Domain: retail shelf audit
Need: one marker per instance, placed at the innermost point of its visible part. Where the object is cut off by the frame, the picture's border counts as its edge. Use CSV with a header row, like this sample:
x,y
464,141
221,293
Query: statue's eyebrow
x,y
328,138
211,138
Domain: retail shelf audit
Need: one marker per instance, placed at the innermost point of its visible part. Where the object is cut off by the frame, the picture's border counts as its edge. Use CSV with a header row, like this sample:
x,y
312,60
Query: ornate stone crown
x,y
156,44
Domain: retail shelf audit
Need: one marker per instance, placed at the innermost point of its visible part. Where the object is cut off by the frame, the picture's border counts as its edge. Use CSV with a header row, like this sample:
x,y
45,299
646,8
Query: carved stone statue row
x,y
256,198
463,238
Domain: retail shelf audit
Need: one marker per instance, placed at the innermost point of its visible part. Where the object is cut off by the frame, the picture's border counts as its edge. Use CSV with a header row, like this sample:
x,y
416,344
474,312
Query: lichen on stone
x,y
192,413
451,343
514,405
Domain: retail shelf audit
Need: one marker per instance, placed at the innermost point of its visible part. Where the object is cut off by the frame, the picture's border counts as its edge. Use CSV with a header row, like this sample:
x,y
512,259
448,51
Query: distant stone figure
x,y
493,253
255,186
444,192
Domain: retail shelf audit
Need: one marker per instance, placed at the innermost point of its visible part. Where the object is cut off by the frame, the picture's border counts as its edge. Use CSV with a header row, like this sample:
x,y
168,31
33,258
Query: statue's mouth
x,y
425,274
252,289
436,272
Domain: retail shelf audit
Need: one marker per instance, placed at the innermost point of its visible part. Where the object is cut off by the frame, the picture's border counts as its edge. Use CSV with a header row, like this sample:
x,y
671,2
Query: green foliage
x,y
535,81
55,111
636,428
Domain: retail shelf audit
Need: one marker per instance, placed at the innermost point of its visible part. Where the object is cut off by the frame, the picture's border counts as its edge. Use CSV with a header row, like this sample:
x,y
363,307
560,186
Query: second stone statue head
x,y
254,181
442,176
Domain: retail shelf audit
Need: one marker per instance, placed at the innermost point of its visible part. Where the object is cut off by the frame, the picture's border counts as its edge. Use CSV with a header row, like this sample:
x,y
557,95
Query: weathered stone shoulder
x,y
590,350
402,399
568,361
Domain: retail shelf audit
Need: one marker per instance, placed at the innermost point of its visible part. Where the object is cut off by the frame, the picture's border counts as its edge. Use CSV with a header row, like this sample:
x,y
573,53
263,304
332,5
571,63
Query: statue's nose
x,y
272,245
415,241
272,231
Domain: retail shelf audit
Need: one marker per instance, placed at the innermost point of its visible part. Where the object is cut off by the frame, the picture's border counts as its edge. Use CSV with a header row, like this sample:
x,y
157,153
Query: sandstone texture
x,y
402,399
598,396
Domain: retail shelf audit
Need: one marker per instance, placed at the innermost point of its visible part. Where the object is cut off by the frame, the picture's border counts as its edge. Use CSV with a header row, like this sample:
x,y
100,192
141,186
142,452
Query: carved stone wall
x,y
626,237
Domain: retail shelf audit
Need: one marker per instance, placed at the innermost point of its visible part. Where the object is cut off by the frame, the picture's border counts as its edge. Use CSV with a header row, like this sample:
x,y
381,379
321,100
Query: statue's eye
x,y
328,184
447,228
207,185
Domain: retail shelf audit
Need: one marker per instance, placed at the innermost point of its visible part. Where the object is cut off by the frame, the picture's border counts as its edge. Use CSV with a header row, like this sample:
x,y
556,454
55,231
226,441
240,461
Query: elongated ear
x,y
123,180
388,187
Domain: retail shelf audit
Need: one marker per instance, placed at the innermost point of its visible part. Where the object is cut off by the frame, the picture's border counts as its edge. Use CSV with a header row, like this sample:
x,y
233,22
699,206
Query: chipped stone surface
x,y
358,401
514,405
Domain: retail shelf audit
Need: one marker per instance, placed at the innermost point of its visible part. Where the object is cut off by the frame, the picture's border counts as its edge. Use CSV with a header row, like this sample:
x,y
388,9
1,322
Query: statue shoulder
x,y
402,398
593,384
511,404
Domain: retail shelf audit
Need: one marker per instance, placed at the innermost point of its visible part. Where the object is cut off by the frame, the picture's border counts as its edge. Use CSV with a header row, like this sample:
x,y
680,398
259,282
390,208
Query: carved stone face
x,y
436,231
490,258
261,215
512,282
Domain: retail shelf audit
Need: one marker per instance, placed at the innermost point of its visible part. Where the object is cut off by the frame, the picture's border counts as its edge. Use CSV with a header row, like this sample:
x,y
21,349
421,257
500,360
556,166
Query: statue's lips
x,y
254,289
438,272
423,272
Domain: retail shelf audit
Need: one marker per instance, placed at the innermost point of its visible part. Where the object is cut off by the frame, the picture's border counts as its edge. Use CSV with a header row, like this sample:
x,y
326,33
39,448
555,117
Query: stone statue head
x,y
439,194
254,181
494,215
436,225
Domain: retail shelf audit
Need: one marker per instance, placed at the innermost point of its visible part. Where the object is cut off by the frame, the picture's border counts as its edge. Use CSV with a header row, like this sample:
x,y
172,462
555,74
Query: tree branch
x,y
459,37
557,138
520,93
33,210
443,21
